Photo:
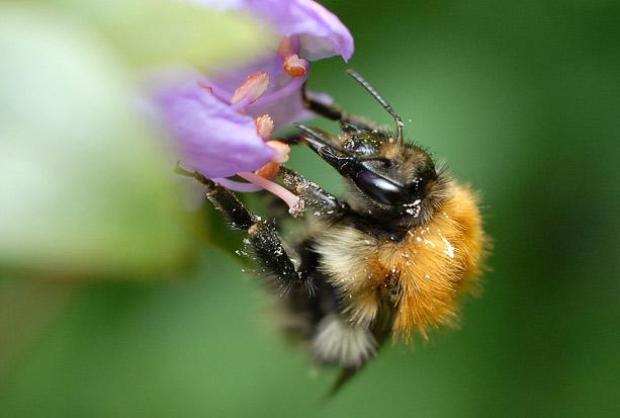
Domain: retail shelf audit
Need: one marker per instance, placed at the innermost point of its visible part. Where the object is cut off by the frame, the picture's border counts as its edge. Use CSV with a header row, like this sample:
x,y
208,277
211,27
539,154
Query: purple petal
x,y
282,100
321,33
285,106
318,32
212,137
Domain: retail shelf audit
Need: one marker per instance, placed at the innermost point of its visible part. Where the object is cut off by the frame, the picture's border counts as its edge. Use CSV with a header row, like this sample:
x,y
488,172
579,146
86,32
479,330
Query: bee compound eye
x,y
379,188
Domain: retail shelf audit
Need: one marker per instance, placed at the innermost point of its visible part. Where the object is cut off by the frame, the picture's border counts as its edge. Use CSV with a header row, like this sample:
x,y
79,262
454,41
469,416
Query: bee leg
x,y
297,138
292,139
273,259
314,197
349,123
262,240
327,110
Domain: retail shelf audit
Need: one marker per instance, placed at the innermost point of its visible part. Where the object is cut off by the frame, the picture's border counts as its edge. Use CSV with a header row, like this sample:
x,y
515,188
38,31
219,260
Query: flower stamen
x,y
295,66
237,186
286,47
294,202
281,155
268,171
252,89
282,151
264,126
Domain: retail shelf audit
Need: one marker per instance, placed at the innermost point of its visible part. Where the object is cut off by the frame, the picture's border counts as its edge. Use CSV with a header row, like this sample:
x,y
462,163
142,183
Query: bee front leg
x,y
263,239
319,201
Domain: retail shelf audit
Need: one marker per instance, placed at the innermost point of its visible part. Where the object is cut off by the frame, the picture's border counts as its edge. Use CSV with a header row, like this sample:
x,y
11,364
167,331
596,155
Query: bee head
x,y
386,176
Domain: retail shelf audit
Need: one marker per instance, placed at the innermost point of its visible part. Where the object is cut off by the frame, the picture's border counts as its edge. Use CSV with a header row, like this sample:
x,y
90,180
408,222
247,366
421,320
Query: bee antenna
x,y
388,108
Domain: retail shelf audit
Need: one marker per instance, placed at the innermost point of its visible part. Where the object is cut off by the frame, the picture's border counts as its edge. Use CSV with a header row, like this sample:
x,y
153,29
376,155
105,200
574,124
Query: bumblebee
x,y
389,260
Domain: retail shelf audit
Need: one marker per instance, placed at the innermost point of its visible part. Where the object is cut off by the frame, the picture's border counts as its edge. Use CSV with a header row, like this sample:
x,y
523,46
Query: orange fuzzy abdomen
x,y
436,263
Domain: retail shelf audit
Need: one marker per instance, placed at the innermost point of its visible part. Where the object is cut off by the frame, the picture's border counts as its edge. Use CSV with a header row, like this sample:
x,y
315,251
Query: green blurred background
x,y
521,100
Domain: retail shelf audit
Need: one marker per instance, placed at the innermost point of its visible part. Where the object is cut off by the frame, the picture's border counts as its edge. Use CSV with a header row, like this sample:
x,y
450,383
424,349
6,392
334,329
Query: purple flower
x,y
208,131
222,124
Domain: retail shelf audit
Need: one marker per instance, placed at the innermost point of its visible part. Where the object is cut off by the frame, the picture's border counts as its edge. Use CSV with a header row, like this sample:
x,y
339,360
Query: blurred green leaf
x,y
161,32
84,186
